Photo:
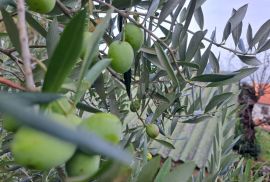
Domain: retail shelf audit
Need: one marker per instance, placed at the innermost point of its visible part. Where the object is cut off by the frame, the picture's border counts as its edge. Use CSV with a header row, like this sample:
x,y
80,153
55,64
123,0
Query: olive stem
x,y
140,118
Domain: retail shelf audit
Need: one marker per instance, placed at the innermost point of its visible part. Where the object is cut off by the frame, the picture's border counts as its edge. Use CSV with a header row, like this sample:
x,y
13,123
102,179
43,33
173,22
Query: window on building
x,y
265,110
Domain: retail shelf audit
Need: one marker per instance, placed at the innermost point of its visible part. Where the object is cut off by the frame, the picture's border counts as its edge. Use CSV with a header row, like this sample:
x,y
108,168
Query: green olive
x,y
38,150
134,36
10,124
135,105
83,166
41,6
152,130
62,106
105,125
122,56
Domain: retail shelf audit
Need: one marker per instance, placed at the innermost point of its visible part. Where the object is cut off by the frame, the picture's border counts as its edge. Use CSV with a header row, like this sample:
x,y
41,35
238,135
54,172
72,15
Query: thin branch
x,y
30,46
14,58
26,56
11,84
191,32
64,9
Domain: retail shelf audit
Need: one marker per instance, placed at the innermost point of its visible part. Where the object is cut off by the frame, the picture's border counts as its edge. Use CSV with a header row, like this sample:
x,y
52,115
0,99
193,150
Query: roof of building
x,y
195,143
265,93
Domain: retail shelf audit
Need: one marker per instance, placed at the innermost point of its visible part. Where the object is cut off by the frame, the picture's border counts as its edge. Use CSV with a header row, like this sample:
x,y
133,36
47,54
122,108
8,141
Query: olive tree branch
x,y
64,9
125,15
11,84
26,56
191,32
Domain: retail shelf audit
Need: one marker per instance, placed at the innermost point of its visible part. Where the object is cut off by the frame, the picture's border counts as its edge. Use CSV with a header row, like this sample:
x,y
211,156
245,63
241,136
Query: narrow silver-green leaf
x,y
264,47
34,97
92,75
199,17
188,64
11,30
164,60
249,36
168,8
87,108
204,60
236,33
197,119
212,77
227,31
175,35
52,37
149,171
264,29
93,46
217,100
249,60
66,54
152,9
163,106
35,24
238,16
213,60
188,17
194,44
96,70
240,74
165,143
4,3
164,171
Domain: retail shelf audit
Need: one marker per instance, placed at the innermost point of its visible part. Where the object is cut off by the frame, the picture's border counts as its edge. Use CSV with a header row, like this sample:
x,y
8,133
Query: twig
x,y
191,32
11,84
26,56
39,63
64,9
30,46
14,58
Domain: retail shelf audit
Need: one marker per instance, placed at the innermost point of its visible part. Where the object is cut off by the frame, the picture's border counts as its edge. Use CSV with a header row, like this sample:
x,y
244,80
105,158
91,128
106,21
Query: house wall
x,y
261,112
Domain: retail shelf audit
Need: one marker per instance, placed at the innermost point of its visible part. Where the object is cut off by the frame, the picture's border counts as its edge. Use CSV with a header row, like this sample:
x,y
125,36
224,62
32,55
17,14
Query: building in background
x,y
261,110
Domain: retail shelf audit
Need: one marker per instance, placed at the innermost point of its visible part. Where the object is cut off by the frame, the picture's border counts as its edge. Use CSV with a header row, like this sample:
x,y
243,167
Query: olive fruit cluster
x,y
38,150
105,125
122,52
